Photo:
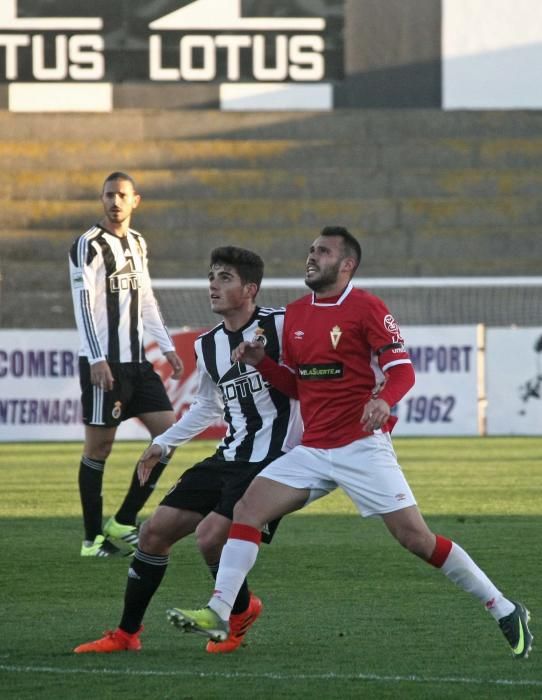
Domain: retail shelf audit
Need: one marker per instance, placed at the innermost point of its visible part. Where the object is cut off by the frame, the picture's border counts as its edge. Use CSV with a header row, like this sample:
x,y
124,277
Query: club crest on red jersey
x,y
335,334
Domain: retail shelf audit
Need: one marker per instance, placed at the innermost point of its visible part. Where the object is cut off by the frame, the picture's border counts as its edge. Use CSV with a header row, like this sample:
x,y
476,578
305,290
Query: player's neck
x,y
119,230
237,318
334,290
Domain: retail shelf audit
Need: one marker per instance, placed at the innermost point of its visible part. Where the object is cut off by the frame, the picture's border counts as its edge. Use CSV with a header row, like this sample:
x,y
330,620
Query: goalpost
x,y
492,301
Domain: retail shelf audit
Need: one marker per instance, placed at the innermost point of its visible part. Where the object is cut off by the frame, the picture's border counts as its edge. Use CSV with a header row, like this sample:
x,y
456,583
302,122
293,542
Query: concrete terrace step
x,y
362,215
173,215
331,181
436,153
477,249
348,125
199,183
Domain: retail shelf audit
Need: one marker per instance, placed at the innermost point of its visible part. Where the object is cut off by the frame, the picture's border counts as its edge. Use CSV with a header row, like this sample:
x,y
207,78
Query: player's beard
x,y
326,278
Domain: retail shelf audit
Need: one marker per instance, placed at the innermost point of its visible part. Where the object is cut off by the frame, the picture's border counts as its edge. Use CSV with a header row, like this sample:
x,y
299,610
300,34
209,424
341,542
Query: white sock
x,y
237,559
463,571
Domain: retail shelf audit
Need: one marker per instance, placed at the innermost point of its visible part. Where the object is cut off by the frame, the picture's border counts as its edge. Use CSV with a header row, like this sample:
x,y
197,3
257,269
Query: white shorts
x,y
366,470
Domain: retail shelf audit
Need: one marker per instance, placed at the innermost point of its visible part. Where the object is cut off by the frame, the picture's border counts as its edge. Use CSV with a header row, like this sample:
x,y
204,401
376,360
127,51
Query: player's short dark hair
x,y
119,175
248,265
352,248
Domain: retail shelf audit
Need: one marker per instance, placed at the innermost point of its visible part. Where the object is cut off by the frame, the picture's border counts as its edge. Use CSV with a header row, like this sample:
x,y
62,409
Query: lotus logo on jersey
x,y
124,279
236,386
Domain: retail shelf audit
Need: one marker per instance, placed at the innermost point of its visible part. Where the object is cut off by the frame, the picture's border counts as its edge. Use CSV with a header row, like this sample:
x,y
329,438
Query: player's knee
x,y
99,450
244,512
240,511
152,539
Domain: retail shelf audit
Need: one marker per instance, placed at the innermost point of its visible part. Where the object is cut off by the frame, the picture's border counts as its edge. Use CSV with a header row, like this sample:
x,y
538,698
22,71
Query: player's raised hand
x,y
147,462
250,353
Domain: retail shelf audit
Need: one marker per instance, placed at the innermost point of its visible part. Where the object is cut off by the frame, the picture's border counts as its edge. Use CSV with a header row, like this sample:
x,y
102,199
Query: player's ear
x,y
349,265
251,289
137,199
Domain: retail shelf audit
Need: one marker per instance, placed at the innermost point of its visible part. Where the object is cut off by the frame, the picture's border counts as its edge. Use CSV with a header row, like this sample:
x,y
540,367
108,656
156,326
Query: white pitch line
x,y
279,676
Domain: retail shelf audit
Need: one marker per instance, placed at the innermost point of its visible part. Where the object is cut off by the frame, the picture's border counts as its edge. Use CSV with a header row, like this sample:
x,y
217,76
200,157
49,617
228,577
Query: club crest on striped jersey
x,y
259,336
335,334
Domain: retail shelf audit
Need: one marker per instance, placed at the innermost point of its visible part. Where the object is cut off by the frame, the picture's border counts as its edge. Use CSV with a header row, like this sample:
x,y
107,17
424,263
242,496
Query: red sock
x,y
441,551
238,531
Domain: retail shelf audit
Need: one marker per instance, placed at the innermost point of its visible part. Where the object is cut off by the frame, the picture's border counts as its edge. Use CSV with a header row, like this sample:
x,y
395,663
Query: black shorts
x,y
137,389
216,485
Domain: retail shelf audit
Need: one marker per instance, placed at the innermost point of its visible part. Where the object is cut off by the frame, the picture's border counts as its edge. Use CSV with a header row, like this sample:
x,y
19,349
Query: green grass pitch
x,y
348,613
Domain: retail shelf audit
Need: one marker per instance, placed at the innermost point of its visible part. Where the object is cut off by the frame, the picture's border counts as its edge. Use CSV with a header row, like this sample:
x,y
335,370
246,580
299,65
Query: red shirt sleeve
x,y
400,378
280,376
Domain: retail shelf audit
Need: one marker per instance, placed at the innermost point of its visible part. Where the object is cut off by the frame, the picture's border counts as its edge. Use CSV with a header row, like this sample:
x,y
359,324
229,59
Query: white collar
x,y
339,301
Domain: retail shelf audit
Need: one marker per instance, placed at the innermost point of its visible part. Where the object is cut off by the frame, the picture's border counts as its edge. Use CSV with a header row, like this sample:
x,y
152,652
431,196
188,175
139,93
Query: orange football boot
x,y
117,640
239,626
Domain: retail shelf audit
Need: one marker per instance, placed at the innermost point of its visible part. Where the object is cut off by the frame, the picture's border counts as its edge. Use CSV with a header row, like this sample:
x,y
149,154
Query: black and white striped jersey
x,y
113,298
261,422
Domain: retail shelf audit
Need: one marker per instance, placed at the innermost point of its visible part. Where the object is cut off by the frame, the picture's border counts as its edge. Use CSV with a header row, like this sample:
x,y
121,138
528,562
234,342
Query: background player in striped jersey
x,y
114,305
344,358
261,423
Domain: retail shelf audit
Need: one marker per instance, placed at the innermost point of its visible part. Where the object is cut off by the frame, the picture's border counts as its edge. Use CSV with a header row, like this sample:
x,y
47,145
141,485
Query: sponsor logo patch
x,y
77,280
327,371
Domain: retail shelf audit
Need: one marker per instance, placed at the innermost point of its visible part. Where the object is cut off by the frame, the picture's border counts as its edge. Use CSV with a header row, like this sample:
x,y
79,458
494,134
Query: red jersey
x,y
340,350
